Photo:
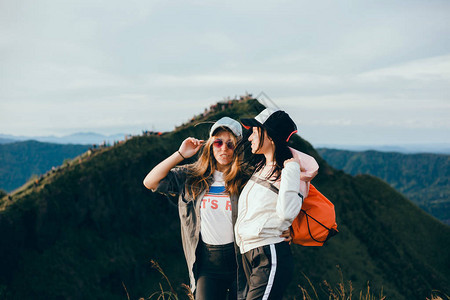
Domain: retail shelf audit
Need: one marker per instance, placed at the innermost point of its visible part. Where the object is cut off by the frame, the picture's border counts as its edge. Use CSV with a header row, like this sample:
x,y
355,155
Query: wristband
x,y
181,154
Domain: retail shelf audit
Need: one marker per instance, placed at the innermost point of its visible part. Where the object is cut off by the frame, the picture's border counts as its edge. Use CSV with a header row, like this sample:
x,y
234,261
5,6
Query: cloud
x,y
432,69
112,65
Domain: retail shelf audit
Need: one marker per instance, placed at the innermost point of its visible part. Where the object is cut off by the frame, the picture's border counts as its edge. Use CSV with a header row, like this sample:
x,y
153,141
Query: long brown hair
x,y
201,171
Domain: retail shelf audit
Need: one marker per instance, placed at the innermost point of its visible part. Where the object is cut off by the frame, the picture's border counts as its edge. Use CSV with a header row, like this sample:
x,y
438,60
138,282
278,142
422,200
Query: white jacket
x,y
266,208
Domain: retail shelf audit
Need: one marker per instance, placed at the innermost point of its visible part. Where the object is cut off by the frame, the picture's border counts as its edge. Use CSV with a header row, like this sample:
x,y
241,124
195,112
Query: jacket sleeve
x,y
173,184
290,198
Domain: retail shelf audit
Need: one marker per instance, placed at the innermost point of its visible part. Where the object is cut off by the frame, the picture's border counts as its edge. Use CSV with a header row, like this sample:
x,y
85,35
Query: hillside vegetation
x,y
422,178
20,160
92,228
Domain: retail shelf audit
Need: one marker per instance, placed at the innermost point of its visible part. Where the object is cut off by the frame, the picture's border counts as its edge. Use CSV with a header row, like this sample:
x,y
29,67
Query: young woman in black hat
x,y
269,202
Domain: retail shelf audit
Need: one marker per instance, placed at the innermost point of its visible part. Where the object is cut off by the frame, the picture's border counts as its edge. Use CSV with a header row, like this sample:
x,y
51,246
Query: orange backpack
x,y
316,222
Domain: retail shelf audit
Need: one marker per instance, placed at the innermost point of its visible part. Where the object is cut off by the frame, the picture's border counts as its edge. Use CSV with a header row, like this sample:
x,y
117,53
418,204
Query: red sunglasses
x,y
218,143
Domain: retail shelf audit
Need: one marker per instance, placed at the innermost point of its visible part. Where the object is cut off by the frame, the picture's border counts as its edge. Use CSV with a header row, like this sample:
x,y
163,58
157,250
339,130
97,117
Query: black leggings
x,y
216,272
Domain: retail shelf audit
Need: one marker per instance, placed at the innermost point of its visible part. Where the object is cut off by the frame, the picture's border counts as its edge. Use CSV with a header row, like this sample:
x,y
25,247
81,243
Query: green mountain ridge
x,y
20,160
423,178
92,228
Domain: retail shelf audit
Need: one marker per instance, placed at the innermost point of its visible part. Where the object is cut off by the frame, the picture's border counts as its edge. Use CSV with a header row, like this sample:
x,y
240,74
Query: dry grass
x,y
437,295
342,291
162,294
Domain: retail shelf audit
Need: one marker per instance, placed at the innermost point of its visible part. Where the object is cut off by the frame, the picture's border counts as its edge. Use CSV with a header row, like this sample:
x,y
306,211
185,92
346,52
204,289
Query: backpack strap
x,y
269,185
331,231
265,183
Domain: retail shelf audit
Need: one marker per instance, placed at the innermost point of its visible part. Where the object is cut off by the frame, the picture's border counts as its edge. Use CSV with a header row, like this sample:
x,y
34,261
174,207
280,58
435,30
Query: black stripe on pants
x,y
268,270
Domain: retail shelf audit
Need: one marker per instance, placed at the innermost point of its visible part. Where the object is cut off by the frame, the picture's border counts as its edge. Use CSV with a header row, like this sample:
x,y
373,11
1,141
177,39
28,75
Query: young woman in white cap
x,y
207,192
269,202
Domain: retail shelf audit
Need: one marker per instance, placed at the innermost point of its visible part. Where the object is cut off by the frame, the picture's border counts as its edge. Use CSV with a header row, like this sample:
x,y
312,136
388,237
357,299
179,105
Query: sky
x,y
347,72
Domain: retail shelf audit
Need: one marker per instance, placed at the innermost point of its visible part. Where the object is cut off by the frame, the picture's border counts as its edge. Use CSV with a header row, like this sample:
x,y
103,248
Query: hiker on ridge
x,y
269,202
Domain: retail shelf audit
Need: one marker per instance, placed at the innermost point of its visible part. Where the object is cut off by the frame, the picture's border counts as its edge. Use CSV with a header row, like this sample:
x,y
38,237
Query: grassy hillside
x,y
422,178
92,228
20,160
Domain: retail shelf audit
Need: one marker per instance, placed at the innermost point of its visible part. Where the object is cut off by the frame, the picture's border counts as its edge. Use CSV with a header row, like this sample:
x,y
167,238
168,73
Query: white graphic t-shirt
x,y
215,213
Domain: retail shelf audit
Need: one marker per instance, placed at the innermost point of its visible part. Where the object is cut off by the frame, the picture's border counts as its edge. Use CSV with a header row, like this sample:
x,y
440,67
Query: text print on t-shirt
x,y
216,197
215,210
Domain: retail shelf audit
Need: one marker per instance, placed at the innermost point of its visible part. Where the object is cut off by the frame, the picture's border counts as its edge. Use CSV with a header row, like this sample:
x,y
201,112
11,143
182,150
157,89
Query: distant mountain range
x,y
423,178
84,138
90,229
90,138
438,148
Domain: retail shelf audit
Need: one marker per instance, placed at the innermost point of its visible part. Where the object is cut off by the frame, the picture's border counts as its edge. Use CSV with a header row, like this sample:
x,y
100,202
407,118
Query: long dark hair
x,y
258,161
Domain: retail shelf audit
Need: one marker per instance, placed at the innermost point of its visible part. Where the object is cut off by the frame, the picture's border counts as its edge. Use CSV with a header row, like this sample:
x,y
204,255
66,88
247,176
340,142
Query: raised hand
x,y
190,146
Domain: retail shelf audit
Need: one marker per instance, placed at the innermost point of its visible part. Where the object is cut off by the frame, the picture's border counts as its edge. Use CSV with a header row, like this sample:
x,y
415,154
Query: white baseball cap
x,y
229,123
